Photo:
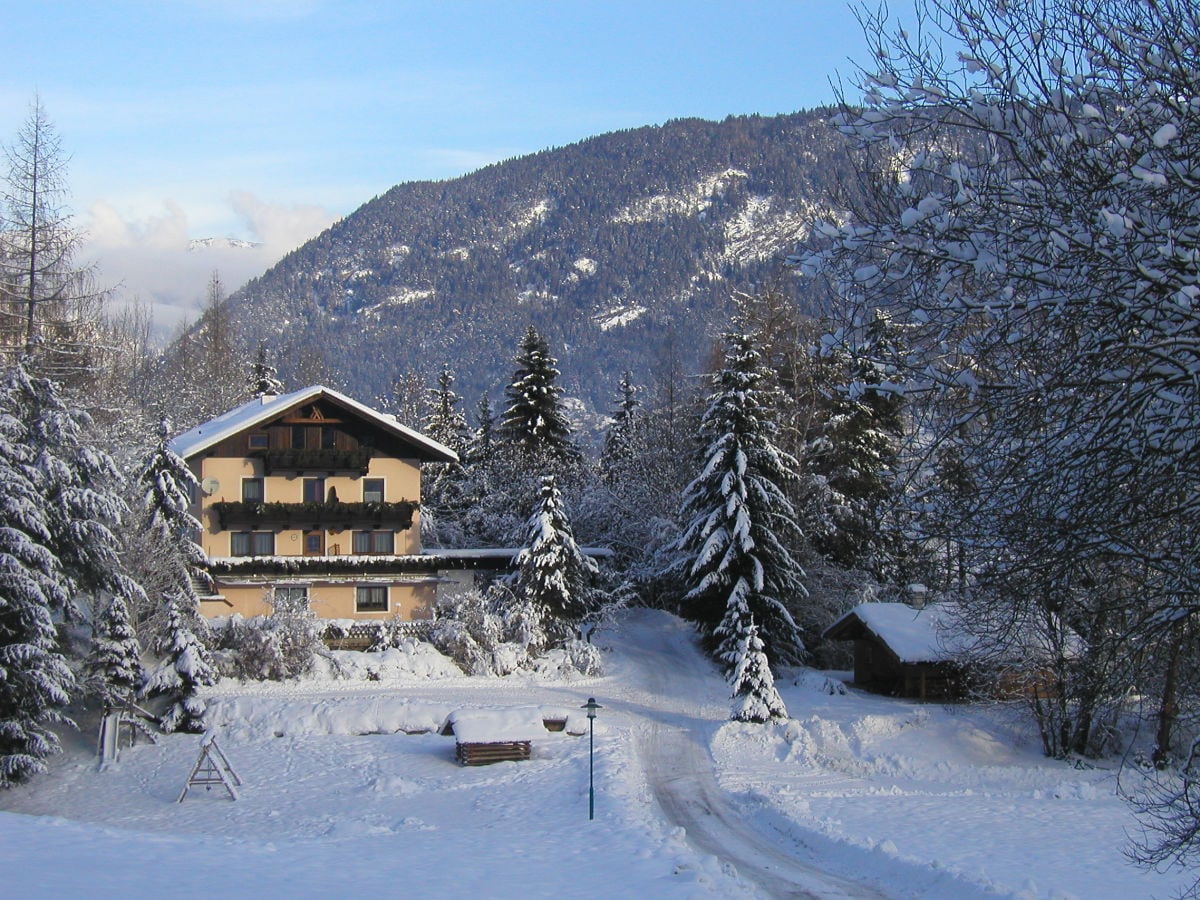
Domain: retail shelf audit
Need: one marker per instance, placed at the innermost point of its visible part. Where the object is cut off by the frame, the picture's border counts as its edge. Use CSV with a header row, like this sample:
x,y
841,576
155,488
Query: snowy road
x,y
679,686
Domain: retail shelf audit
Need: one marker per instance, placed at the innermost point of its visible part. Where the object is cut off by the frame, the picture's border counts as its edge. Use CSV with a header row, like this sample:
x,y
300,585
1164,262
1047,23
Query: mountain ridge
x,y
623,249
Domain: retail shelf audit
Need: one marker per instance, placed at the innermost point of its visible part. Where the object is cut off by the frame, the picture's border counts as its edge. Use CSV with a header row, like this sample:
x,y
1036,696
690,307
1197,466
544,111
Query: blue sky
x,y
267,119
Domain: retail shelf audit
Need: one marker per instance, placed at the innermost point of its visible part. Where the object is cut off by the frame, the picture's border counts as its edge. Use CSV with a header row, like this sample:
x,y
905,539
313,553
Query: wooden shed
x,y
904,651
485,736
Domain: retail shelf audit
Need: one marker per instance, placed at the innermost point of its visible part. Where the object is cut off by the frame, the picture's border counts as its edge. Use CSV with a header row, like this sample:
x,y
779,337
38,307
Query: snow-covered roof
x,y
483,726
262,409
930,634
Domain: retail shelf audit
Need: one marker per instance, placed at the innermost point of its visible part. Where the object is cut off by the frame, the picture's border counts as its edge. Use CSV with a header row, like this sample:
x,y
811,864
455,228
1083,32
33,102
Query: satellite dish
x,y
210,486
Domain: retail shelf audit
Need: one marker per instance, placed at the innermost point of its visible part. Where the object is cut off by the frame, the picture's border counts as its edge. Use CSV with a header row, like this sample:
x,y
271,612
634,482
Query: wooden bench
x,y
482,754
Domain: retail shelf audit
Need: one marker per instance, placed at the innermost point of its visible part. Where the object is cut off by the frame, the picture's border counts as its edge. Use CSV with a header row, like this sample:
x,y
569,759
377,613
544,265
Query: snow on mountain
x,y
616,244
198,245
692,200
621,314
856,795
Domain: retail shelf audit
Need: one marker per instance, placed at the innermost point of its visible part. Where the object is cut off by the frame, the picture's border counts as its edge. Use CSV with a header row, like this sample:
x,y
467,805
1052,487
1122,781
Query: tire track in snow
x,y
680,772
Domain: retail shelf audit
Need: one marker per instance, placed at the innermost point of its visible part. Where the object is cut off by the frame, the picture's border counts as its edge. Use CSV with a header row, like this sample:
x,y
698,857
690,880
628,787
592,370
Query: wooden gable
x,y
322,427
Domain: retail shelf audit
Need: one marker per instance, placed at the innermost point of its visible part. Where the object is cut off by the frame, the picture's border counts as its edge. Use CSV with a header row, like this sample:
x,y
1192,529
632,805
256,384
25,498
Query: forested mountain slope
x,y
622,249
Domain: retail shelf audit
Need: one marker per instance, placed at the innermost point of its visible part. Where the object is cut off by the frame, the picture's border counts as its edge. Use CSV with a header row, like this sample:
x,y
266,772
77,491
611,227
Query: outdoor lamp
x,y
591,706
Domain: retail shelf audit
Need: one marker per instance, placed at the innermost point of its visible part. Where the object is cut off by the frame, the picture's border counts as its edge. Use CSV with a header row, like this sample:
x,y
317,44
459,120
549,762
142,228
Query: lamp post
x,y
591,706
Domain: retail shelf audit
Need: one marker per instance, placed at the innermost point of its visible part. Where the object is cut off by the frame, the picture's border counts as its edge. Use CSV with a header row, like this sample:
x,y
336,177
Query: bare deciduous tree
x,y
49,307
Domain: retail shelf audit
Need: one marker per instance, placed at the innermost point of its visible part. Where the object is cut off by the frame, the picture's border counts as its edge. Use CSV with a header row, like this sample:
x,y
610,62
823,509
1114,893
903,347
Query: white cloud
x,y
278,227
147,258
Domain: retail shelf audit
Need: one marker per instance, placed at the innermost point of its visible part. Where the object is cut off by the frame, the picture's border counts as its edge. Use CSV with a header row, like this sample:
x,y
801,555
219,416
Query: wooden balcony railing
x,y
315,460
396,516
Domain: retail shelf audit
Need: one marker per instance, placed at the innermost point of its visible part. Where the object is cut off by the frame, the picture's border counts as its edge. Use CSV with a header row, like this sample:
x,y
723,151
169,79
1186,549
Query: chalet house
x,y
314,497
904,650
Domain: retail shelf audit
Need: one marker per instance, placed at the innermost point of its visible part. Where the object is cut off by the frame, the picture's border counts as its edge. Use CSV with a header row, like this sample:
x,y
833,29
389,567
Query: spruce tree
x,y
35,682
553,574
443,488
444,421
178,565
482,441
535,422
114,665
77,483
167,486
734,549
856,454
623,437
184,669
752,686
263,379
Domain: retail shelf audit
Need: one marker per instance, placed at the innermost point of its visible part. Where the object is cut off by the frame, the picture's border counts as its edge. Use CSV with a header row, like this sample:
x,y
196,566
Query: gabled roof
x,y
268,407
914,635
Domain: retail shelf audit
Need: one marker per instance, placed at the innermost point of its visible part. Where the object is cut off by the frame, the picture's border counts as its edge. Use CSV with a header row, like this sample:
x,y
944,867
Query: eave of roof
x,y
260,409
911,635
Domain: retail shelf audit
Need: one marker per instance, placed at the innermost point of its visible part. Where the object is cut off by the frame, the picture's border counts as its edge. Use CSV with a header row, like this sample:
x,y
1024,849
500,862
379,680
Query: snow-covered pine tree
x,y
752,687
183,670
482,440
856,454
444,421
442,483
263,378
78,486
535,423
553,574
494,488
740,521
113,668
167,487
35,682
624,435
178,565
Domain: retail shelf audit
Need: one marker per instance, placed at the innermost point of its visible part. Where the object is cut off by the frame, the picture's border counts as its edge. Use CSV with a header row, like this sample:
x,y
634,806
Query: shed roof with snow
x,y
929,634
905,650
522,723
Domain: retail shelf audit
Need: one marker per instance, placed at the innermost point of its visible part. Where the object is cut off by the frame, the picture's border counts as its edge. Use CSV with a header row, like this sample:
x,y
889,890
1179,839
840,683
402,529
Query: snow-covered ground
x,y
880,797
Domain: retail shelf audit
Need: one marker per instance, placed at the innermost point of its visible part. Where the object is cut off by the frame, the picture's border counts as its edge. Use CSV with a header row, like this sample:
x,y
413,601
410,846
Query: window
x,y
372,490
371,598
258,440
314,490
252,543
290,598
298,435
314,543
252,490
374,542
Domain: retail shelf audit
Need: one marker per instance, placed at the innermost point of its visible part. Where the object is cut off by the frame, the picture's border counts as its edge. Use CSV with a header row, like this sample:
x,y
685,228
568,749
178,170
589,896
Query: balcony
x,y
327,460
325,516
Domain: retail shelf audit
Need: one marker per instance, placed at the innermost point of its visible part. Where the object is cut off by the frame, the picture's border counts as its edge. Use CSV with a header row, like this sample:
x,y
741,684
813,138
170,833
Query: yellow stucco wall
x,y
327,599
402,481
331,597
